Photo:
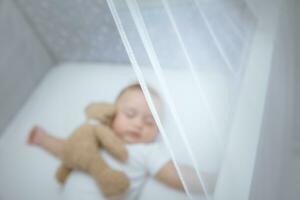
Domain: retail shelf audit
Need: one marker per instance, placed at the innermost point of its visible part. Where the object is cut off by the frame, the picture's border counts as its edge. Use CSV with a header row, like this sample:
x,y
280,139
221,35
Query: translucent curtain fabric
x,y
193,53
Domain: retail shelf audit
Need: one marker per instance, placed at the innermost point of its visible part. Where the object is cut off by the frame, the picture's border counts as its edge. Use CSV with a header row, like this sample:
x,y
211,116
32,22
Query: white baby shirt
x,y
144,160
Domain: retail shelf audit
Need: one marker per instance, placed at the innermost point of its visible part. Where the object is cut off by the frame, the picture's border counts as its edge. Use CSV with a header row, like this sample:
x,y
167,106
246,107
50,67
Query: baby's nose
x,y
138,123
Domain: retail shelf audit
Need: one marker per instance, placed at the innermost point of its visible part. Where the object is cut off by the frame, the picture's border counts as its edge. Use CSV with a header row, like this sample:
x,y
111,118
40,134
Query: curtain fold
x,y
192,52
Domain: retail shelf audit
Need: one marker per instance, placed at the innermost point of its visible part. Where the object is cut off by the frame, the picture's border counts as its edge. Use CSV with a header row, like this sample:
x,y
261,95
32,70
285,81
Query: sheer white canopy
x,y
204,46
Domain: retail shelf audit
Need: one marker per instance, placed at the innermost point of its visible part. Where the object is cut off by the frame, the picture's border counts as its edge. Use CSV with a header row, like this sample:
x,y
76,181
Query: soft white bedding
x,y
57,104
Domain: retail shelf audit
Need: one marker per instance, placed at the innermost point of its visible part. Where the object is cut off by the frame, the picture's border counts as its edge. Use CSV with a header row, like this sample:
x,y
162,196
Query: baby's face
x,y
134,122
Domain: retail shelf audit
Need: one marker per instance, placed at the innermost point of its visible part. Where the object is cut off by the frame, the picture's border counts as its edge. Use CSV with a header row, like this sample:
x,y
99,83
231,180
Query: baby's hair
x,y
137,86
153,93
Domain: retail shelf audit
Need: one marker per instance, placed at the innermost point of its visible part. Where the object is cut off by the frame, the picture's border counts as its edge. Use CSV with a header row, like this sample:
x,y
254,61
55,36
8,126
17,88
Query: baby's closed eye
x,y
130,113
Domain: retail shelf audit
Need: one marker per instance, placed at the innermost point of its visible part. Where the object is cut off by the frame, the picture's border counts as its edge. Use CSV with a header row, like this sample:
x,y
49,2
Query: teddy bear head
x,y
104,112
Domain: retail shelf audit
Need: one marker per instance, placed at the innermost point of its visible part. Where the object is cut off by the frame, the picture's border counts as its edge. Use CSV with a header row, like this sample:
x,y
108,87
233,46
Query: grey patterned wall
x,y
23,60
84,30
75,30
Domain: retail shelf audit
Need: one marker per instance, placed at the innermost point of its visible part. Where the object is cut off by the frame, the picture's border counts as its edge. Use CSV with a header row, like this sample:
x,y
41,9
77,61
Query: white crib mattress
x,y
57,104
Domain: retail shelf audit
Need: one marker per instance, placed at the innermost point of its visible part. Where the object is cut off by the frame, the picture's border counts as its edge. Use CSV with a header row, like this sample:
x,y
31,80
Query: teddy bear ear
x,y
104,112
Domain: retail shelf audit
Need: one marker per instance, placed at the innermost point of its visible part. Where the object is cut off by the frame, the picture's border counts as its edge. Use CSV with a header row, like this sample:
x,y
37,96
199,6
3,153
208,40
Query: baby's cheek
x,y
154,130
116,127
120,125
151,134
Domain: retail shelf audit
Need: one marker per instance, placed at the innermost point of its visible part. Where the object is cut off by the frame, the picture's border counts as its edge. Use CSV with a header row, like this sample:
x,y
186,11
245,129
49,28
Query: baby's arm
x,y
169,175
40,137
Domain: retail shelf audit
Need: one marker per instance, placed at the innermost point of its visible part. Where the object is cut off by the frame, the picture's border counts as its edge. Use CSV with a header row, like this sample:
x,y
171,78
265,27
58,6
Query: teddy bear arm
x,y
62,173
111,182
111,142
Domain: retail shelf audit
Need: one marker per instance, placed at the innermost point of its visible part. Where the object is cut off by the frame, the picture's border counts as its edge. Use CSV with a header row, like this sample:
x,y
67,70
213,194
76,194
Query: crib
x,y
256,156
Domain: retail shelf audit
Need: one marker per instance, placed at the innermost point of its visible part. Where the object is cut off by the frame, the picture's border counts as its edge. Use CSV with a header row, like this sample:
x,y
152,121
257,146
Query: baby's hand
x,y
36,135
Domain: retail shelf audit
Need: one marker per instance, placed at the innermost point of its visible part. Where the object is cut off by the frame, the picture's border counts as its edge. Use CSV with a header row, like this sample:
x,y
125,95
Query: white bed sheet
x,y
57,104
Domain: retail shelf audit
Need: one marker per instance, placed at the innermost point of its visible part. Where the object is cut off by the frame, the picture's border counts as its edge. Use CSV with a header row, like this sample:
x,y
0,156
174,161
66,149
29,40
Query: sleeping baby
x,y
135,126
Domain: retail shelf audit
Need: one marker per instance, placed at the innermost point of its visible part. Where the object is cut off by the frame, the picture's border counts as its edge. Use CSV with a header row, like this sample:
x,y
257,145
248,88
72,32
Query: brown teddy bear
x,y
81,151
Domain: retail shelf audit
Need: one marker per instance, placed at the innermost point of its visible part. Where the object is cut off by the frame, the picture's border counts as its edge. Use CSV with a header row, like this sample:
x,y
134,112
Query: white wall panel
x,y
277,168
